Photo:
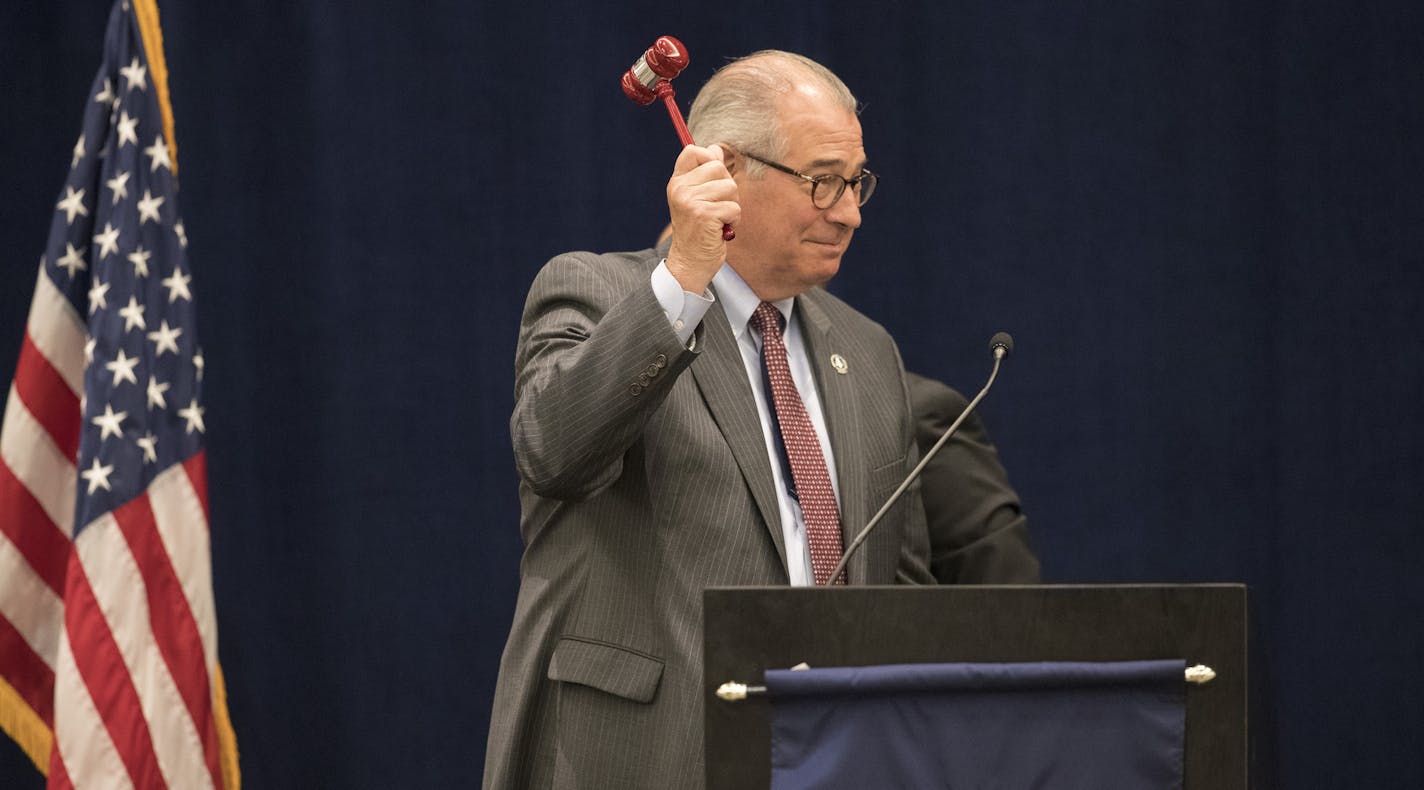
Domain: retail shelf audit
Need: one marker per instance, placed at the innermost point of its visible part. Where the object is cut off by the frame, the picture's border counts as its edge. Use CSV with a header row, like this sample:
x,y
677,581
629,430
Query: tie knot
x,y
767,320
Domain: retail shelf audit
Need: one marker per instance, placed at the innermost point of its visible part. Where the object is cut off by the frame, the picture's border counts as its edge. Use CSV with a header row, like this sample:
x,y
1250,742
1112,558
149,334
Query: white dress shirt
x,y
685,311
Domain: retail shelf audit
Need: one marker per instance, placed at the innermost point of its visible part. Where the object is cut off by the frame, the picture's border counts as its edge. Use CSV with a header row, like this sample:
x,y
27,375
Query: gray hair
x,y
738,105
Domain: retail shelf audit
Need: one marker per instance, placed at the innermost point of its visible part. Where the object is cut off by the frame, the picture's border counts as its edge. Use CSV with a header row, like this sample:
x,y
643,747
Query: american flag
x,y
108,636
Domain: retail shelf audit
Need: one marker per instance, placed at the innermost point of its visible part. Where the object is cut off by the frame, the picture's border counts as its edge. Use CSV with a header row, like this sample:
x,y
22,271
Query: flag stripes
x,y
58,779
96,655
31,533
40,466
31,678
115,581
174,630
178,511
58,332
39,387
82,744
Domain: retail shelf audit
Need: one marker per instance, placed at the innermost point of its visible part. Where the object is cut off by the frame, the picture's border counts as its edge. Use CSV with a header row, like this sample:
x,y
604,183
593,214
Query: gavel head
x,y
665,59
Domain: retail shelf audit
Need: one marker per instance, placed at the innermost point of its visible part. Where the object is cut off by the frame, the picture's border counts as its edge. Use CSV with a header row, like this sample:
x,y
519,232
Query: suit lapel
x,y
722,378
839,402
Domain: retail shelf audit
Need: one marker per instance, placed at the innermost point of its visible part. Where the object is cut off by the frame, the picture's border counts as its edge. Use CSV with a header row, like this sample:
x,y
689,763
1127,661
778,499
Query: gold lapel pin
x,y
839,363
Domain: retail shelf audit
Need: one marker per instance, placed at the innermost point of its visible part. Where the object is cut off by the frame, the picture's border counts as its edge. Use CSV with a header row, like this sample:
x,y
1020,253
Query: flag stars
x,y
194,415
89,346
148,208
78,153
133,315
119,185
177,286
155,393
128,129
122,368
158,152
165,339
106,94
97,476
139,259
108,423
108,240
136,74
198,363
182,234
96,297
73,260
149,443
72,205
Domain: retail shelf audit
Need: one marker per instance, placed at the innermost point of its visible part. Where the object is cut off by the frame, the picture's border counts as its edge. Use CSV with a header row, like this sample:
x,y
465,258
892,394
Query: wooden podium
x,y
747,630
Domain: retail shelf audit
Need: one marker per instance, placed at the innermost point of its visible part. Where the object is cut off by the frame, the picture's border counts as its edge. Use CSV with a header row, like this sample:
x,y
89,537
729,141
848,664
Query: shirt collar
x,y
739,301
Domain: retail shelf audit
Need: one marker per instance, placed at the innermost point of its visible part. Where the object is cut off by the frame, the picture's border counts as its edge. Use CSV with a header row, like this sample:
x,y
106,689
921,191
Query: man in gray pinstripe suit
x,y
644,436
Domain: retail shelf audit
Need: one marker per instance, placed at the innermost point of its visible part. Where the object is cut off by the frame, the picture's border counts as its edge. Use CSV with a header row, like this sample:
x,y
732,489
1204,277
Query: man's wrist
x,y
684,309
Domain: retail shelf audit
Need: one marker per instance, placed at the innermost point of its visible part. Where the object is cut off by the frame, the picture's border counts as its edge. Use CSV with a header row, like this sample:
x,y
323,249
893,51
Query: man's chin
x,y
824,269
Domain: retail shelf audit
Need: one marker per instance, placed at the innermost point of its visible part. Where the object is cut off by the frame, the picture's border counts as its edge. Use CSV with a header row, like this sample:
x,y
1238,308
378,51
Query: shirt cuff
x,y
684,309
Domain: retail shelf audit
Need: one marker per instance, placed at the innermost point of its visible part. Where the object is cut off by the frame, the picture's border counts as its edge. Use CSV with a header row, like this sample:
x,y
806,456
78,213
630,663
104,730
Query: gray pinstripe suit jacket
x,y
644,479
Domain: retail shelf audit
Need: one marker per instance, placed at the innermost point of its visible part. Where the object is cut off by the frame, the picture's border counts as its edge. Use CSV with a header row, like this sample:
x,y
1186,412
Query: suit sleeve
x,y
596,357
977,530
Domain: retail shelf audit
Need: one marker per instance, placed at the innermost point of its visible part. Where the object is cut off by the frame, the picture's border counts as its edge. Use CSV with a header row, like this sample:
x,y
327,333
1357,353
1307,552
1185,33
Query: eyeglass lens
x,y
828,189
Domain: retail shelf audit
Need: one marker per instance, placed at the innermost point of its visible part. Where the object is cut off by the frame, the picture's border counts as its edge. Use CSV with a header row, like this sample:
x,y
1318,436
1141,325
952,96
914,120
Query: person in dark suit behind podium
x,y
978,533
655,460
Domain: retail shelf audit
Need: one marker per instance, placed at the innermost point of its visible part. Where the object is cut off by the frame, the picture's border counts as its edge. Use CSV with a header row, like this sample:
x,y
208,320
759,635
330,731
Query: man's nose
x,y
846,209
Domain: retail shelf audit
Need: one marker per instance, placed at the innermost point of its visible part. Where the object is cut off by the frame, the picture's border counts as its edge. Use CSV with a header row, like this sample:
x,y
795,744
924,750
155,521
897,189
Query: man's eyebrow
x,y
831,162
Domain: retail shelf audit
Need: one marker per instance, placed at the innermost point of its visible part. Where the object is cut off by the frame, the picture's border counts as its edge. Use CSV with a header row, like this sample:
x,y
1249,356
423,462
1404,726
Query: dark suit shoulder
x,y
934,401
978,533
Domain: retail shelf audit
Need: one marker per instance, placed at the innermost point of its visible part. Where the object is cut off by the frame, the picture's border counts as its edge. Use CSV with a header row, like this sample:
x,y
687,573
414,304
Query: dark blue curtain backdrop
x,y
1202,221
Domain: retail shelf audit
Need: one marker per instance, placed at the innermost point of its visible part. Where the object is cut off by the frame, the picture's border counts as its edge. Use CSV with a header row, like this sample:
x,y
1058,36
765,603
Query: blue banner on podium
x,y
979,726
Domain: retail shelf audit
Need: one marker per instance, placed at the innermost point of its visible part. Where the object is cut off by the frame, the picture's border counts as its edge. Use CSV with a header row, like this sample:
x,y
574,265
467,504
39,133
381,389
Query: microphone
x,y
1001,345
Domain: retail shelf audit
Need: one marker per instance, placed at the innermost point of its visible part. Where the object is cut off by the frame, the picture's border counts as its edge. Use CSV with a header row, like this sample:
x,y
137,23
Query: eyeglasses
x,y
827,188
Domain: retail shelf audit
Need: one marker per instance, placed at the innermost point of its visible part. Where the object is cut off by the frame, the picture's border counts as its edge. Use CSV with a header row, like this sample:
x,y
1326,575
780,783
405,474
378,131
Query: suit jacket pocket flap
x,y
616,670
886,477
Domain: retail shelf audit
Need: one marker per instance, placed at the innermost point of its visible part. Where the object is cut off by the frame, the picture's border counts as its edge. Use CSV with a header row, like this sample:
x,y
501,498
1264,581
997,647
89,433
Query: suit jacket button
x,y
662,360
635,390
651,371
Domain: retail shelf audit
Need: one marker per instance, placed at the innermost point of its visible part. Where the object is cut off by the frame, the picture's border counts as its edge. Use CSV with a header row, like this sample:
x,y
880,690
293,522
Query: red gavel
x,y
650,78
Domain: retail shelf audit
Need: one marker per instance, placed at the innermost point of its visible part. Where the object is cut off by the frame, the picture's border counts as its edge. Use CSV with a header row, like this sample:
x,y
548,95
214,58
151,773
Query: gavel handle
x,y
665,92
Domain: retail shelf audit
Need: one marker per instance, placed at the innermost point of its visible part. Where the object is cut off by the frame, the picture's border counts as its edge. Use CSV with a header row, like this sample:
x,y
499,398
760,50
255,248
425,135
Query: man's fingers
x,y
694,156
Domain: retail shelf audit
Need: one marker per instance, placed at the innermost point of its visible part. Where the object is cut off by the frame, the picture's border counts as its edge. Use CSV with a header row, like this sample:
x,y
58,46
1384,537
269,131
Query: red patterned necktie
x,y
803,450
